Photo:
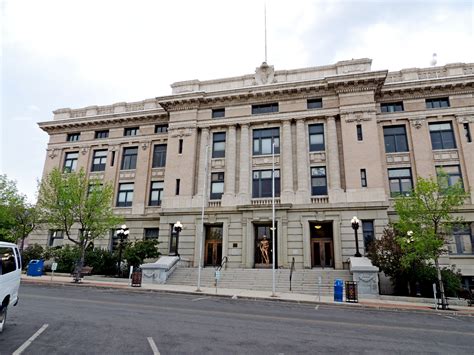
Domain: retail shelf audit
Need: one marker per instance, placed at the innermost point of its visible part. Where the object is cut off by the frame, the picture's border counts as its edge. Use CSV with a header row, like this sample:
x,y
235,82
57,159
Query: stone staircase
x,y
303,281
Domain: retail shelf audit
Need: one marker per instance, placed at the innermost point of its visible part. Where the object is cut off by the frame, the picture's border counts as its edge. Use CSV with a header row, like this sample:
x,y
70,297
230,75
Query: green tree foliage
x,y
32,252
140,250
425,219
18,218
70,199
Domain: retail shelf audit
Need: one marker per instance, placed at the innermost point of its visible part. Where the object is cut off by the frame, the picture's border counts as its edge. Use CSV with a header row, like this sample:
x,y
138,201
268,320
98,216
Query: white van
x,y
10,274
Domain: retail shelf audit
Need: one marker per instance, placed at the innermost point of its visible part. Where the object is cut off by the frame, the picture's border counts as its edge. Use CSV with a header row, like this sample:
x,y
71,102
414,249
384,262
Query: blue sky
x,y
65,53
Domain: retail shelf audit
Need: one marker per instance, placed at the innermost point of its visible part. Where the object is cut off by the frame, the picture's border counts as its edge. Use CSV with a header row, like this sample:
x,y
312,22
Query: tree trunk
x,y
441,286
80,264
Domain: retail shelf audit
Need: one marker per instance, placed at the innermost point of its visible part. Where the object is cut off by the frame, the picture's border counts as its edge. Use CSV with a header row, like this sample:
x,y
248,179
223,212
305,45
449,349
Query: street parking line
x,y
200,299
30,340
153,346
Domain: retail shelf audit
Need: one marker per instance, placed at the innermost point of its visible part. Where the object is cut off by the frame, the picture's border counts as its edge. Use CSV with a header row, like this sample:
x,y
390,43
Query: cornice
x,y
101,121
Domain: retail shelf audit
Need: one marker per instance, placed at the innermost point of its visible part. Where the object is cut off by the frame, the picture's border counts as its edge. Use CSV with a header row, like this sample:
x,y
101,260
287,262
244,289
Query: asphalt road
x,y
84,320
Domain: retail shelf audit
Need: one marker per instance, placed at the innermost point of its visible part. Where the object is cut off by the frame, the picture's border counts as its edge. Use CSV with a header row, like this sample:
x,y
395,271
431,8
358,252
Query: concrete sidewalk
x,y
377,303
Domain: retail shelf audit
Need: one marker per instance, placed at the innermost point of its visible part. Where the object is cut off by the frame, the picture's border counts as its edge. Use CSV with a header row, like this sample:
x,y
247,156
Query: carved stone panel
x,y
264,161
445,155
398,158
127,175
158,173
317,157
218,163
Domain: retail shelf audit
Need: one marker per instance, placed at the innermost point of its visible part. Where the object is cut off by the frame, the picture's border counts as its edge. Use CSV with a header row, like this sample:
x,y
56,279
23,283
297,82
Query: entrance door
x,y
213,246
322,250
264,247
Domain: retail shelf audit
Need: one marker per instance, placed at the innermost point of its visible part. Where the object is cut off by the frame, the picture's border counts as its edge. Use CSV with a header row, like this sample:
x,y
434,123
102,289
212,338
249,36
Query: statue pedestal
x,y
366,275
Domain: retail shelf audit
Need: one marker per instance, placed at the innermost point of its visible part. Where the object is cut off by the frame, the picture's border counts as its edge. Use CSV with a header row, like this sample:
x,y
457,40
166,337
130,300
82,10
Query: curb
x,y
361,305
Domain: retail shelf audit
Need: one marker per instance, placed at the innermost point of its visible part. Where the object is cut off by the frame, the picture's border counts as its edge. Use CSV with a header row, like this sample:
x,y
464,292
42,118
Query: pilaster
x,y
286,164
245,146
230,172
302,194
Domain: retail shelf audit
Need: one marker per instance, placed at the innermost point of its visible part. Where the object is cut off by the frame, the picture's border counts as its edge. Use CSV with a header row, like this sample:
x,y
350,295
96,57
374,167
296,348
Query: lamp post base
x,y
358,255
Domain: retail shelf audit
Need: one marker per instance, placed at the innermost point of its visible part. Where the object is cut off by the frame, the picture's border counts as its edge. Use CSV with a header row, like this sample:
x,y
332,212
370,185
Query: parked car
x,y
10,274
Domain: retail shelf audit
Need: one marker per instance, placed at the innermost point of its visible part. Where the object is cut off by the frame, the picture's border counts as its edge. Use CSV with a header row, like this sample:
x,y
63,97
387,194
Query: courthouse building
x,y
347,140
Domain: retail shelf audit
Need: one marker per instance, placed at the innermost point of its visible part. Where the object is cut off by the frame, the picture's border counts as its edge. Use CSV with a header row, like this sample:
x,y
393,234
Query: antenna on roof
x,y
265,20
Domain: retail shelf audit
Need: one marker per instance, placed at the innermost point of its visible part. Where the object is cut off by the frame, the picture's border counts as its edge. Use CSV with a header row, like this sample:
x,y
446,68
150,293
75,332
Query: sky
x,y
67,53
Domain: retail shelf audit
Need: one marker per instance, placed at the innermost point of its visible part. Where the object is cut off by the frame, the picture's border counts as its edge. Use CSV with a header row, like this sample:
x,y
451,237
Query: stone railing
x,y
214,203
320,199
448,70
264,201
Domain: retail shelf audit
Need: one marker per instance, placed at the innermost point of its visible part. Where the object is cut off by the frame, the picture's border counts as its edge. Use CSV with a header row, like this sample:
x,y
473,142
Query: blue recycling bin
x,y
338,290
35,268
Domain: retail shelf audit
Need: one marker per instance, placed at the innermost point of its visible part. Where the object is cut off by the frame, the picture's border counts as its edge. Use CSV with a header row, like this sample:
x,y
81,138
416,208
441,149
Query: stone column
x,y
302,163
245,147
286,163
332,157
229,177
202,159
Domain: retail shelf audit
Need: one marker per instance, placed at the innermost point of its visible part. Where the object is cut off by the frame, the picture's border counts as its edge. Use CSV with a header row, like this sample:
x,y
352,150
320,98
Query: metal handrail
x,y
224,261
292,268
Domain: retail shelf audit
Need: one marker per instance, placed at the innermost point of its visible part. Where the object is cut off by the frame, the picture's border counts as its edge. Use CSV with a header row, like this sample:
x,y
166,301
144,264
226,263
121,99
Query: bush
x,y
33,252
66,257
140,250
427,276
102,261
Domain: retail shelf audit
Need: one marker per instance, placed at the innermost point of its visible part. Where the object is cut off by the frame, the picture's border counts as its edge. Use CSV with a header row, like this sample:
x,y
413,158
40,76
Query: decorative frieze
x,y
317,157
417,122
97,175
52,153
398,158
158,173
358,116
218,163
180,132
265,161
465,117
446,155
127,175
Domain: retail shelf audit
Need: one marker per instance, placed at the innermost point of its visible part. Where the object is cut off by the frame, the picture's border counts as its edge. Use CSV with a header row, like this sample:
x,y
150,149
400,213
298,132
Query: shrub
x,y
102,261
140,250
33,252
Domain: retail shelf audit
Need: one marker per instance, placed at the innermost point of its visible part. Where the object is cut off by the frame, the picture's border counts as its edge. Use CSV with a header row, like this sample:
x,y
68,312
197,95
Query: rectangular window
x,y
129,159
73,137
400,181
316,137
217,186
161,128
314,103
159,156
218,113
441,102
387,107
319,185
453,175
395,138
70,162
101,134
363,178
467,132
130,131
180,147
359,132
462,241
94,186
263,140
178,183
112,160
156,193
442,135
125,195
368,234
264,108
151,233
262,183
55,235
99,160
218,145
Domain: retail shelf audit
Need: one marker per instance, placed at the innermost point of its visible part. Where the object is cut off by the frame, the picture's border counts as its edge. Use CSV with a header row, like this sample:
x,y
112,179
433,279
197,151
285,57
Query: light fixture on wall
x,y
318,226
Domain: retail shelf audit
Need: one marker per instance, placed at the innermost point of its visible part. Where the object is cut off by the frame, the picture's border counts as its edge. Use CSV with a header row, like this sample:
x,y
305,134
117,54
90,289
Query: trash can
x,y
137,277
35,268
338,290
351,292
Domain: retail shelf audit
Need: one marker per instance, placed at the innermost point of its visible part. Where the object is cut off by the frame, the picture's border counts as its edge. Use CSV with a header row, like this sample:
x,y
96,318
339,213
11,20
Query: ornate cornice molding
x,y
465,117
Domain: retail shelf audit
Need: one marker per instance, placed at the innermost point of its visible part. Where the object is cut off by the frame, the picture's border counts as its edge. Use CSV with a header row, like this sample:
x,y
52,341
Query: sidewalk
x,y
108,282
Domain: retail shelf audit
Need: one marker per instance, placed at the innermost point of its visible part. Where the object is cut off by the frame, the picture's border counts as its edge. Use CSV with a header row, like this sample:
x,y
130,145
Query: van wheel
x,y
3,318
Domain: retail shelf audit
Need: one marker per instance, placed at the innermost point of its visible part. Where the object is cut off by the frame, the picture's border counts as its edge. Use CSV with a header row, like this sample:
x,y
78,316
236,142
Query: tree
x,y
425,219
70,199
18,218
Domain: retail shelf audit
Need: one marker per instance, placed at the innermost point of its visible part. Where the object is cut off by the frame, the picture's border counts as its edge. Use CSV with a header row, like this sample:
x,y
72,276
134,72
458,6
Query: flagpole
x,y
204,199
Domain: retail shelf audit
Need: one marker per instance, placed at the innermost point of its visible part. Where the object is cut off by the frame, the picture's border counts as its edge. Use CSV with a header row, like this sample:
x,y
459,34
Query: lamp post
x,y
122,234
355,226
178,227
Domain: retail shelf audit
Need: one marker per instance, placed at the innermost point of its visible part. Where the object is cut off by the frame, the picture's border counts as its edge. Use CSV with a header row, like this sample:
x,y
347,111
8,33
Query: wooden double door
x,y
213,246
322,246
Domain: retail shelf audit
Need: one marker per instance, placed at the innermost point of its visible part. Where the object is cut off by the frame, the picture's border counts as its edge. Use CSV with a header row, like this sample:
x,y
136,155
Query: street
x,y
86,320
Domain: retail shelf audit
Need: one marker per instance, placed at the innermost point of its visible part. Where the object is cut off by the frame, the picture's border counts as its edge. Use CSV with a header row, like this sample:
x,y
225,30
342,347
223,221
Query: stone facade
x,y
349,102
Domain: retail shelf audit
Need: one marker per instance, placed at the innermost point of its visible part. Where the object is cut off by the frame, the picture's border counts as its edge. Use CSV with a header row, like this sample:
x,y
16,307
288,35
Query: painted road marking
x,y
29,341
153,346
316,308
200,299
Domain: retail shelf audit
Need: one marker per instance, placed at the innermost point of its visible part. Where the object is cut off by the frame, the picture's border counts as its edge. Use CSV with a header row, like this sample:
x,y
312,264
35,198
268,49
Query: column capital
x,y
245,125
330,118
286,121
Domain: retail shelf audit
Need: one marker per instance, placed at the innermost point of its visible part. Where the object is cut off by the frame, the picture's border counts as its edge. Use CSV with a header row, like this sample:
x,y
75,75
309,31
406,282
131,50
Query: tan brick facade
x,y
352,114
